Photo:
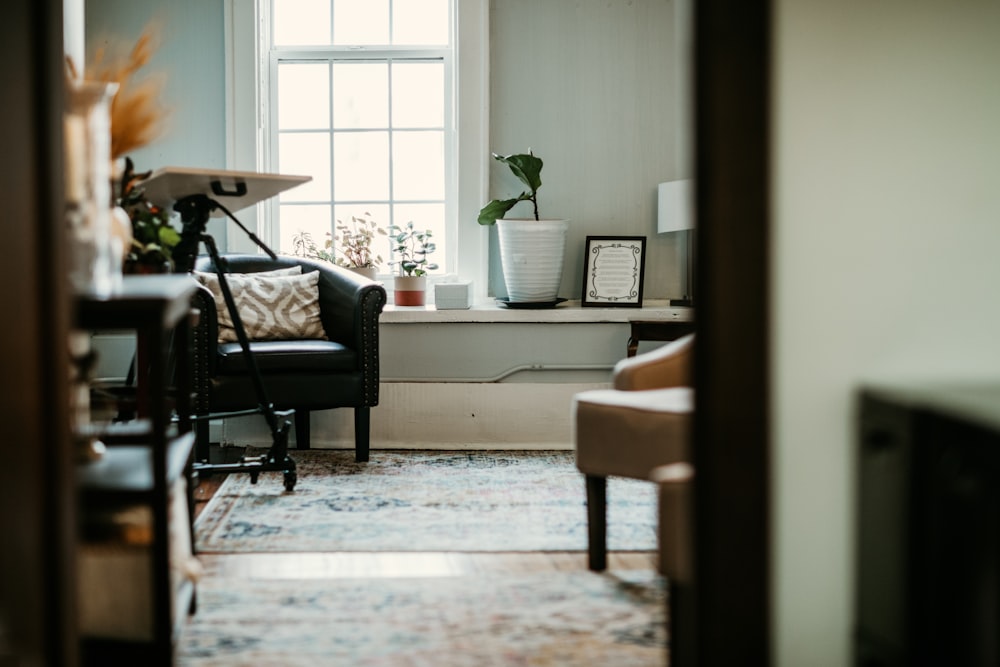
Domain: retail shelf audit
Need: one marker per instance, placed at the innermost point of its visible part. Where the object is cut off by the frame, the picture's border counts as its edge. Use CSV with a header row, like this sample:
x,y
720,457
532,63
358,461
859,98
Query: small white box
x,y
453,296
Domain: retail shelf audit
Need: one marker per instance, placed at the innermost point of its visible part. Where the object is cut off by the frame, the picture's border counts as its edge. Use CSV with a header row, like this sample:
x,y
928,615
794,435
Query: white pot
x,y
531,252
369,272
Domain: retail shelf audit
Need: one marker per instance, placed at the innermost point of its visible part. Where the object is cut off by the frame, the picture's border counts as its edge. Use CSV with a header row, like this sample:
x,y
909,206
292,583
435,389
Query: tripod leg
x,y
279,432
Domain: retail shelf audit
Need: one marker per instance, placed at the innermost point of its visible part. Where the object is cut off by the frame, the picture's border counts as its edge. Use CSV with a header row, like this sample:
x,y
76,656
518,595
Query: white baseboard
x,y
446,415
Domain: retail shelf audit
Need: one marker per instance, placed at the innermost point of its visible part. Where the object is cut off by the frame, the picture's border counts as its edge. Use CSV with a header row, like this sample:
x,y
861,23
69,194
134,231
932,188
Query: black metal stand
x,y
195,211
688,300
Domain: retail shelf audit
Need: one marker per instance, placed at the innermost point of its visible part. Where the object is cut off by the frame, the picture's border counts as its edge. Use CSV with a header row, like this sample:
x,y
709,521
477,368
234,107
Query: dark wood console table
x,y
147,456
658,330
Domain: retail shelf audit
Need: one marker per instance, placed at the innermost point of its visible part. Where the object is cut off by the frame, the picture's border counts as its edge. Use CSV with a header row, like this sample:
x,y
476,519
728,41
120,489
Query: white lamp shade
x,y
675,208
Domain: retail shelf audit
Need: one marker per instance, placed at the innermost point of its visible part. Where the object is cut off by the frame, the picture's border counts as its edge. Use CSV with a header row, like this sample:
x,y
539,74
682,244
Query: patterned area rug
x,y
423,501
561,618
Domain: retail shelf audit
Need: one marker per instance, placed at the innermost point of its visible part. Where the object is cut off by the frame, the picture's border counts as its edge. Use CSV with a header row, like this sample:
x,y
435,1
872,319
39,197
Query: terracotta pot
x,y
410,290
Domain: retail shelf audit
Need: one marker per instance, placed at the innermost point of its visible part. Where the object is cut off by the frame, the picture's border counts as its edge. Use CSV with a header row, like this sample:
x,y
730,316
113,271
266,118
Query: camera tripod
x,y
195,211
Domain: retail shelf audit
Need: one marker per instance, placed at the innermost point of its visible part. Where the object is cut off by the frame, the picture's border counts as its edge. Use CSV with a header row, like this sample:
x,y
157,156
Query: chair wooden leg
x,y
597,532
362,433
301,429
680,629
201,444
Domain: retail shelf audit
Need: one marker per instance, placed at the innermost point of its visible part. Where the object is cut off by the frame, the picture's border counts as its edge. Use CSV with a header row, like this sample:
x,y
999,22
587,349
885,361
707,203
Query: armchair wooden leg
x,y
201,444
301,429
362,433
597,532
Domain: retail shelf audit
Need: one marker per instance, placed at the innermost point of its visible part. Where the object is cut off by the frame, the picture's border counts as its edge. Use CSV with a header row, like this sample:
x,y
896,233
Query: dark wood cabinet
x,y
928,540
147,463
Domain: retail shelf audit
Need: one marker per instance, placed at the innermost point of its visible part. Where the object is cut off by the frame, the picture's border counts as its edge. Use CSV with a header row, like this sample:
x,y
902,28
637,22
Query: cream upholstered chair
x,y
676,537
643,423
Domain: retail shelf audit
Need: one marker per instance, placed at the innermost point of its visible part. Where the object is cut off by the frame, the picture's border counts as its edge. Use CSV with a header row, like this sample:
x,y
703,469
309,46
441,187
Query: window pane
x,y
303,96
420,22
418,165
360,22
361,165
418,95
305,154
299,22
425,216
361,95
314,220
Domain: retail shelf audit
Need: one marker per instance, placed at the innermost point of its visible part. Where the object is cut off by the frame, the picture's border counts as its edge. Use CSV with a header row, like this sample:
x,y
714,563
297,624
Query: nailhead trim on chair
x,y
372,303
199,362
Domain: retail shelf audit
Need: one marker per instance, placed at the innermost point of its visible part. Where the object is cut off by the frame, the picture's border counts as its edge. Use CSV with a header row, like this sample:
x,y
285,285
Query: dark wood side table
x,y
658,330
927,484
146,456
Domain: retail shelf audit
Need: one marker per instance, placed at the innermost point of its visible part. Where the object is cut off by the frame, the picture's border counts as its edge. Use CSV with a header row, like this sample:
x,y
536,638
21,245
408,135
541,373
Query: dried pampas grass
x,y
137,113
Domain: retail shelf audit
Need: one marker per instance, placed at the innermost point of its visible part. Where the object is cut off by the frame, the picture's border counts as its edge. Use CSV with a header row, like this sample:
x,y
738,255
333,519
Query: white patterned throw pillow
x,y
272,304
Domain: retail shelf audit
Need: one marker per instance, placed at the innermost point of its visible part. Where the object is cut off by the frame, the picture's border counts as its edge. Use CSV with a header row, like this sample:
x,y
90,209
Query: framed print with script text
x,y
613,269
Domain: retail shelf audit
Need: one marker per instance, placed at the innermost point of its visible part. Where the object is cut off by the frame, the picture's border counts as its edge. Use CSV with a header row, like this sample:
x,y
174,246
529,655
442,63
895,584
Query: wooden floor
x,y
394,564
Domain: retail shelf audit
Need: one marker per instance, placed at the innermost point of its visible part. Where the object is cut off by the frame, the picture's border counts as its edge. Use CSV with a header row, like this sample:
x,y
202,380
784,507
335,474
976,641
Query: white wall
x,y
591,88
886,232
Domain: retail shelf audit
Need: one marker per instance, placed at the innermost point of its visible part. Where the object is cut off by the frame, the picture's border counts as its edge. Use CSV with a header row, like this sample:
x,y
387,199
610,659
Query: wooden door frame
x,y
37,480
731,616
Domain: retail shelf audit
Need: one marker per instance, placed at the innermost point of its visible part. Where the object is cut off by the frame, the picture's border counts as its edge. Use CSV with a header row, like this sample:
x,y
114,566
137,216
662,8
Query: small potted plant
x,y
153,238
350,247
539,244
354,242
411,248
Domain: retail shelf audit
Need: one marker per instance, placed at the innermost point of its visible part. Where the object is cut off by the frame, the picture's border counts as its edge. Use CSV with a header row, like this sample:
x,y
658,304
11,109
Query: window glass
x,y
306,153
425,216
296,219
300,22
361,95
303,96
420,22
418,166
360,22
361,165
418,94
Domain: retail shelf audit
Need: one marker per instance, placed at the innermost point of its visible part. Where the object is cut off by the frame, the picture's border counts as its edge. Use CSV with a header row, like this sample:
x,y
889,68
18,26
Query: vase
x,y
409,290
121,233
94,267
531,255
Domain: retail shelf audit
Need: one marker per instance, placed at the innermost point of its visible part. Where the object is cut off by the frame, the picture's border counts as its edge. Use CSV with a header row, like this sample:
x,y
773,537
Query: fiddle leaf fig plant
x,y
528,170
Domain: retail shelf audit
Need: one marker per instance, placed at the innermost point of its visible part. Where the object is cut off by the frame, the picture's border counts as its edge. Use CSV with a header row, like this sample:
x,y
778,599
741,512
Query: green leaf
x,y
526,167
495,210
169,237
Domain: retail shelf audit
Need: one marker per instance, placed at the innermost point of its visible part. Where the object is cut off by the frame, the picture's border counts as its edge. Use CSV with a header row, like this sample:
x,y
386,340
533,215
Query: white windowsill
x,y
570,311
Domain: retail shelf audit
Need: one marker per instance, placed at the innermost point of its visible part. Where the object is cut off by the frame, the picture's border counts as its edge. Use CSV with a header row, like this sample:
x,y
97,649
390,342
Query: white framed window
x,y
383,102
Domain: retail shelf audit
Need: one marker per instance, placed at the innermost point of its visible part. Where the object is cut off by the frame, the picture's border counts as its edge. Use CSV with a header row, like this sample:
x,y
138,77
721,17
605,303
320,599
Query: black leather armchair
x,y
302,375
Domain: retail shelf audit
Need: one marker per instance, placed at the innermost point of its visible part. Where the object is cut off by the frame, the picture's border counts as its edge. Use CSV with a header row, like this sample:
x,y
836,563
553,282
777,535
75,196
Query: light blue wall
x,y
190,57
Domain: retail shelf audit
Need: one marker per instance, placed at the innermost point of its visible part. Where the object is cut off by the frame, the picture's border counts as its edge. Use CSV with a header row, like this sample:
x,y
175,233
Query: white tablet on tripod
x,y
235,190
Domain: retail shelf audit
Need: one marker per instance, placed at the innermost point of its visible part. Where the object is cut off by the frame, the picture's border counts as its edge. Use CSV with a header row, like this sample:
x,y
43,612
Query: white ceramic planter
x,y
531,252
